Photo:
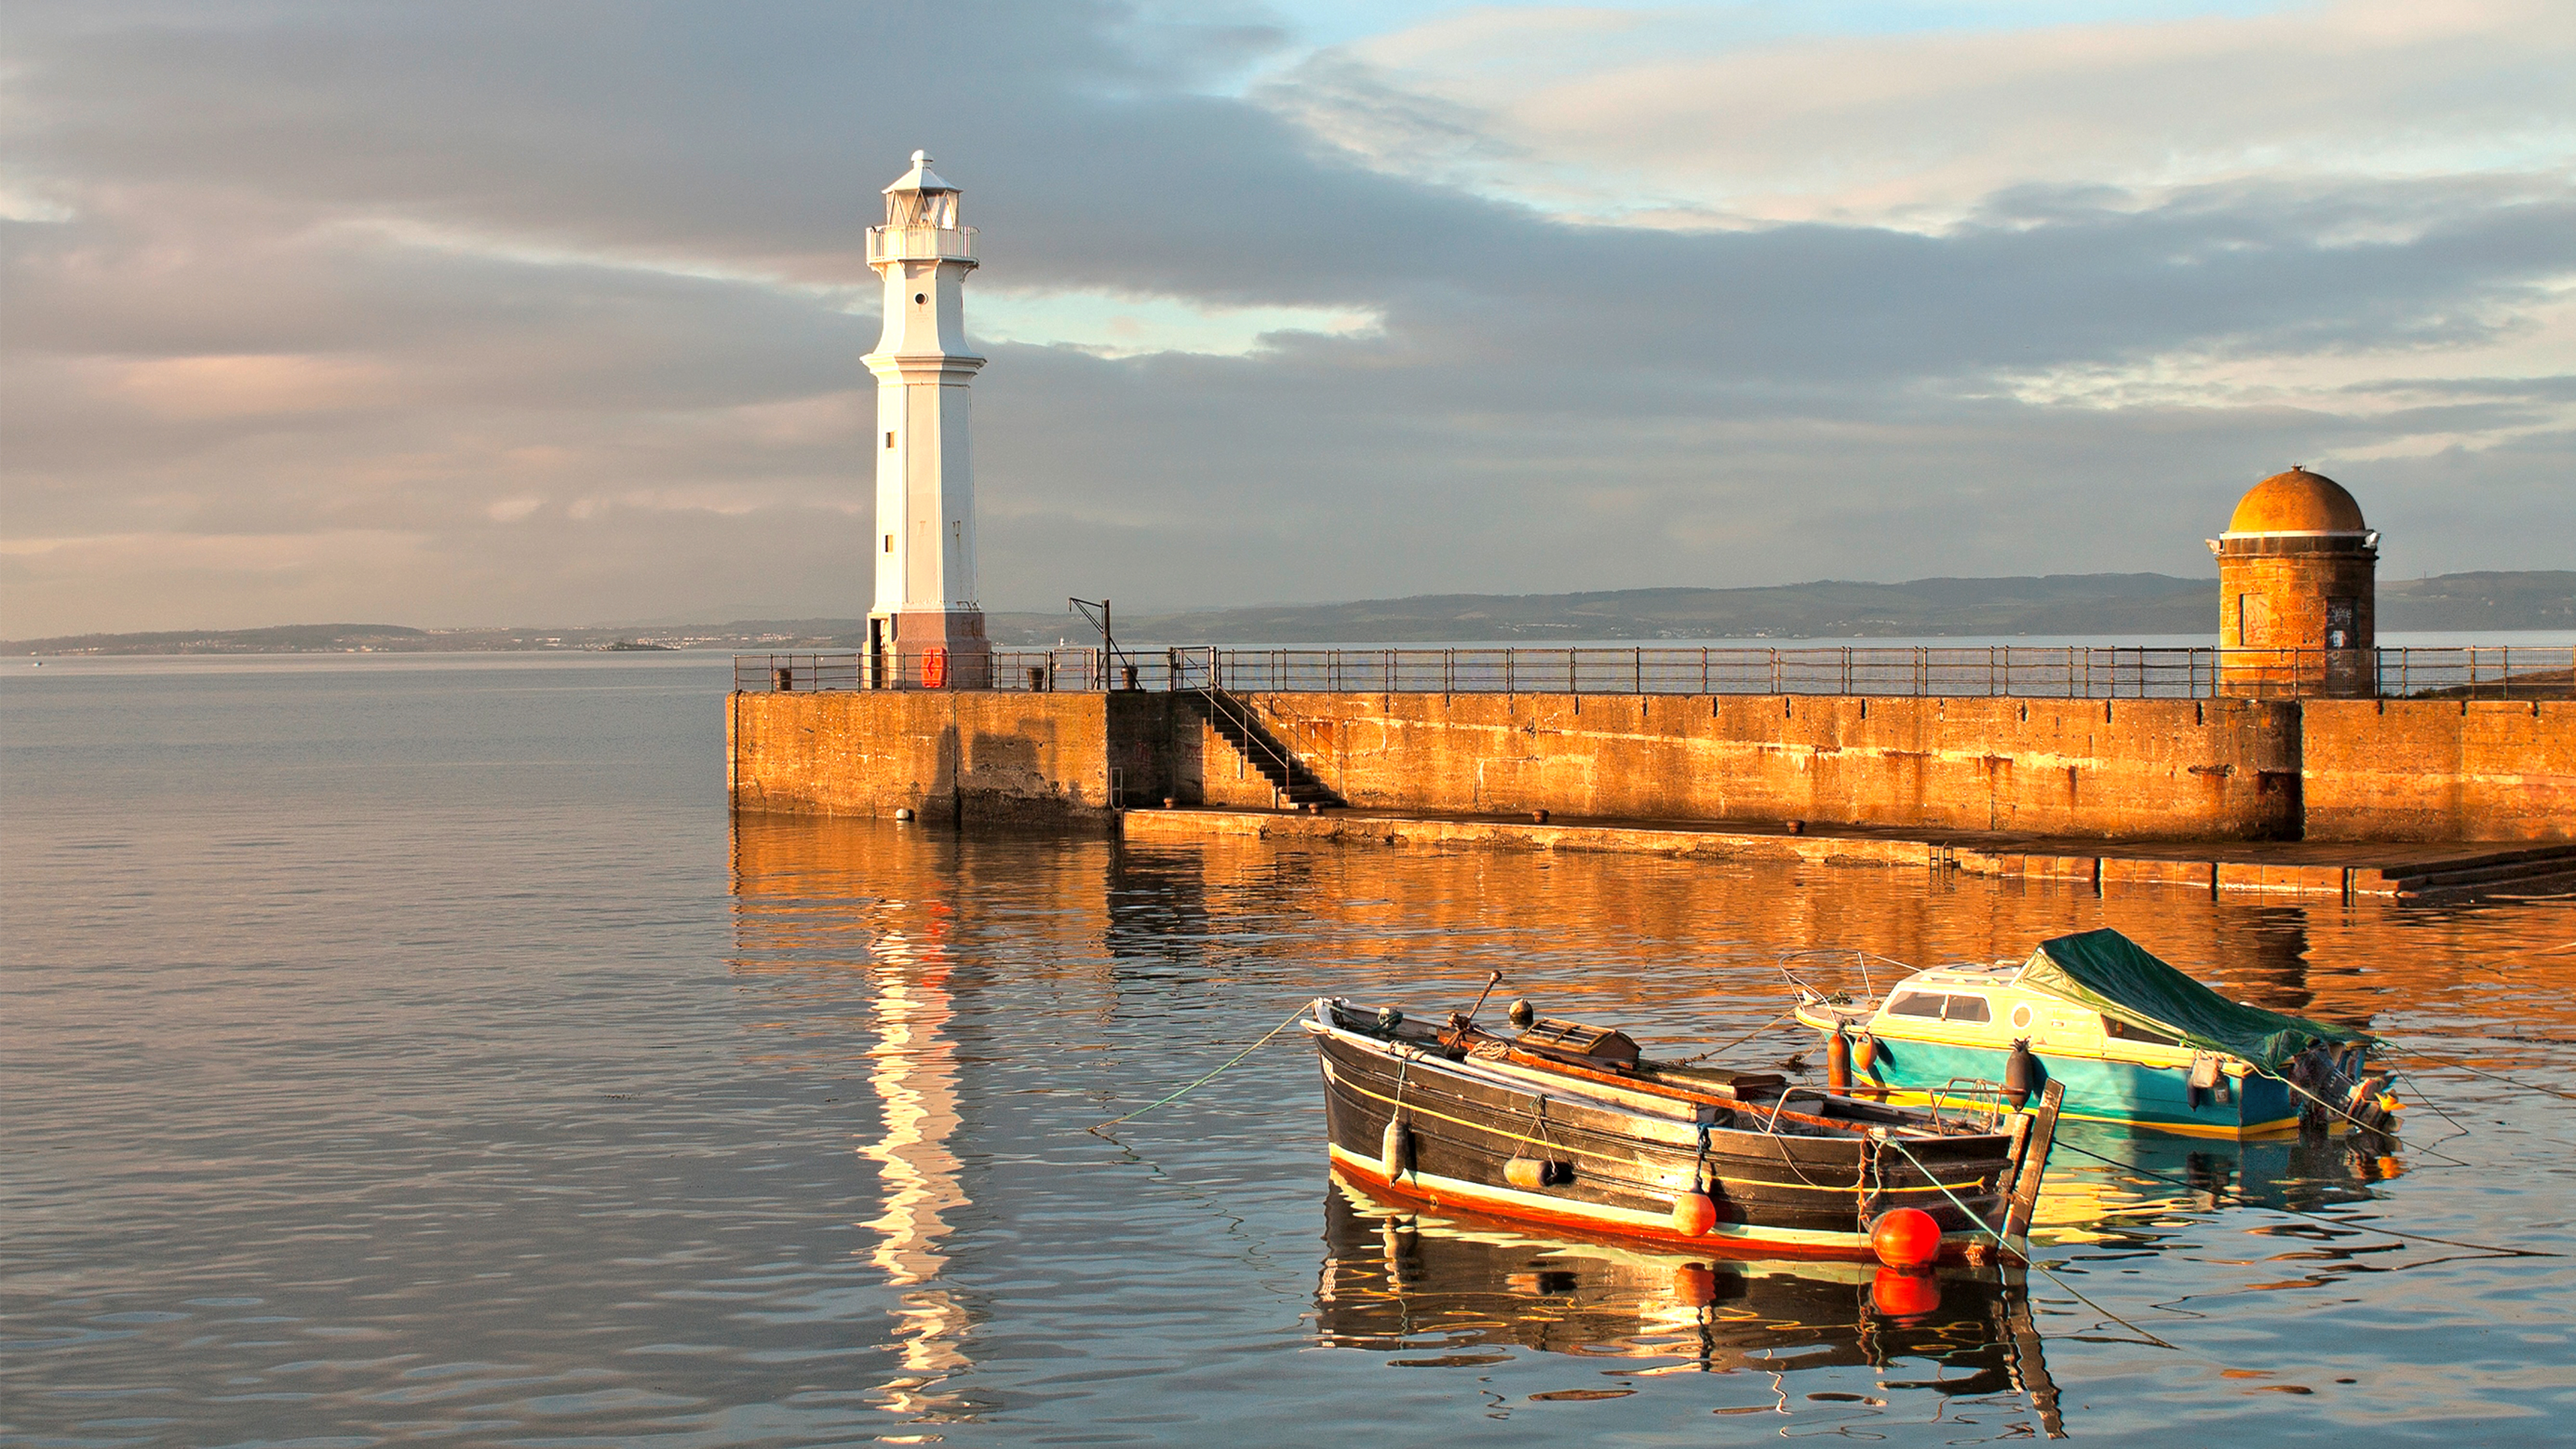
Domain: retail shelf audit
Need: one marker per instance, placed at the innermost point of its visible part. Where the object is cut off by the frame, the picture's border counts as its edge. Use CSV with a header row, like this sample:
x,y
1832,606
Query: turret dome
x,y
2297,502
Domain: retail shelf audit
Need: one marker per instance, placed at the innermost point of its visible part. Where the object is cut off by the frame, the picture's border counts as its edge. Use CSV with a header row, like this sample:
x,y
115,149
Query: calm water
x,y
410,1051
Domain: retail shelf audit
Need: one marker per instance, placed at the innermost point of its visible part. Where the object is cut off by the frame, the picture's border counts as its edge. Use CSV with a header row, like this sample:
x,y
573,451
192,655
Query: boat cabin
x,y
1987,1006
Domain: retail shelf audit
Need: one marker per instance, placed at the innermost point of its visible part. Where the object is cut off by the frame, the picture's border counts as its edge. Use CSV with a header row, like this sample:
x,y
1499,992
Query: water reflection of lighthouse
x,y
839,922
912,1069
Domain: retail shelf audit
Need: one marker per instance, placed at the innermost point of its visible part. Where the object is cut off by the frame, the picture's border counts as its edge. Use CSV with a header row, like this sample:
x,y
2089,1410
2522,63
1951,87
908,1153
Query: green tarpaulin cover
x,y
2116,977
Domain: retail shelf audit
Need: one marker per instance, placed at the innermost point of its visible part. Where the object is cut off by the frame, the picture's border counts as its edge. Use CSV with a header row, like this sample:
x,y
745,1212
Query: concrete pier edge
x,y
2345,871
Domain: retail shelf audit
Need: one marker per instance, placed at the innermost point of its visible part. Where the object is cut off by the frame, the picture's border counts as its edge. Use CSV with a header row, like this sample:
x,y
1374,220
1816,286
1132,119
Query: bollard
x,y
1128,676
783,680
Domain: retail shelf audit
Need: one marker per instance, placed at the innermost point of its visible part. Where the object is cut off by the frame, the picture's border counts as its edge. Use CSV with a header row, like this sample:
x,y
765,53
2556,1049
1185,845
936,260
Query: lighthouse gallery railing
x,y
2030,672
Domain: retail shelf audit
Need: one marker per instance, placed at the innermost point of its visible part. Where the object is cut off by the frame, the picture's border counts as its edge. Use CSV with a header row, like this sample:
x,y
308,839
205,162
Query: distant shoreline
x,y
2066,606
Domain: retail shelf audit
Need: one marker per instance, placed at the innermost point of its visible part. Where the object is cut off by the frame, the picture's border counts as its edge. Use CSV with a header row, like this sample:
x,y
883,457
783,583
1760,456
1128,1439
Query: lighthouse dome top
x,y
2297,502
920,220
920,178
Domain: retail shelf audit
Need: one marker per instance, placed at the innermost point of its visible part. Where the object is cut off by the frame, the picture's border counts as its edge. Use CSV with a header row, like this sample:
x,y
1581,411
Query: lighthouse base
x,y
929,649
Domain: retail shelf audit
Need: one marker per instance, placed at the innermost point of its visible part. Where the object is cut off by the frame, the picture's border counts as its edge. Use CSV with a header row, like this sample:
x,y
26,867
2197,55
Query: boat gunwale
x,y
1947,1147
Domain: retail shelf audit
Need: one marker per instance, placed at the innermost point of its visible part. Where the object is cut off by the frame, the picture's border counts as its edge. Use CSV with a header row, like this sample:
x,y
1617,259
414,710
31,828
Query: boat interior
x,y
1607,1066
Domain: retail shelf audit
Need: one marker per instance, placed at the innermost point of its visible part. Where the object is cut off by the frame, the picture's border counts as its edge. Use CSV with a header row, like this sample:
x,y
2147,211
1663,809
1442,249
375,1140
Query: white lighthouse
x,y
925,628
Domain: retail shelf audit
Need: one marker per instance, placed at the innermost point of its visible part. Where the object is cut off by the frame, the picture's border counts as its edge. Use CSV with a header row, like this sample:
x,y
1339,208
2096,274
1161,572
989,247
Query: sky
x,y
477,314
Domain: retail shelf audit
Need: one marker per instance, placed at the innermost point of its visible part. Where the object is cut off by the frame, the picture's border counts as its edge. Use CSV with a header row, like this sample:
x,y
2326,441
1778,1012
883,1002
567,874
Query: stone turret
x,y
2297,583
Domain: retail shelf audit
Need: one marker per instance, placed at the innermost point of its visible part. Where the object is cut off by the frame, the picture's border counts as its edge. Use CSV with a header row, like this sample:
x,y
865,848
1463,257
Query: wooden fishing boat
x,y
1570,1127
2133,1040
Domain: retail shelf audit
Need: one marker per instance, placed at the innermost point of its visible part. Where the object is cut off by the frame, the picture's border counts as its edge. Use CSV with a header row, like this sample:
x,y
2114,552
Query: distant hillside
x,y
2081,605
2533,599
2066,604
282,639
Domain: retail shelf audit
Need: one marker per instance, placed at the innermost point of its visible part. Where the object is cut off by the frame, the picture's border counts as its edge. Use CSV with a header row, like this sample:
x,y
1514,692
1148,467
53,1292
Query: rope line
x,y
1984,1227
1230,1061
1739,1041
2240,1200
2358,1124
2483,1072
2459,1128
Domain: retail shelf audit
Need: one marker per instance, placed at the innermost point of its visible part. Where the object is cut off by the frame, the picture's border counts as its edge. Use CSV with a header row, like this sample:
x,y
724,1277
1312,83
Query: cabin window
x,y
1933,1005
2112,1026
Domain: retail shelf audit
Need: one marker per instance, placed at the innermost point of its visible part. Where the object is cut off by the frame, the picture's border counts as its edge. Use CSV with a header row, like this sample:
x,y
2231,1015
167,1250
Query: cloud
x,y
1696,118
492,314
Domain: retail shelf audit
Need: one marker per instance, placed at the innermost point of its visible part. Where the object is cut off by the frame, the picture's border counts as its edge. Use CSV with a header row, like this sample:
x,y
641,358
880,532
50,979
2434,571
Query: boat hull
x,y
2098,1088
1774,1194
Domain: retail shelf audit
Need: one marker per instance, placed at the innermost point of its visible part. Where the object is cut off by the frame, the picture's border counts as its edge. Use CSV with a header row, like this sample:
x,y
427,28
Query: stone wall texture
x,y
2225,769
954,756
2439,769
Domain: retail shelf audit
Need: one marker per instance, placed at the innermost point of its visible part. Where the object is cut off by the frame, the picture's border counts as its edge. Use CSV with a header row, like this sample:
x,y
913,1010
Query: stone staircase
x,y
1264,751
2539,870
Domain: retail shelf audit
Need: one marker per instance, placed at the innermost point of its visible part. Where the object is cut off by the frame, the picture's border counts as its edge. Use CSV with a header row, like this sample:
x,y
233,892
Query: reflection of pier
x,y
1395,1281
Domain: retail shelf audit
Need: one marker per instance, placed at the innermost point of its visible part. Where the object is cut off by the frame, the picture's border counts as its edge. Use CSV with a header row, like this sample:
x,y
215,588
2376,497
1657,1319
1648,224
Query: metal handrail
x,y
1254,735
2106,672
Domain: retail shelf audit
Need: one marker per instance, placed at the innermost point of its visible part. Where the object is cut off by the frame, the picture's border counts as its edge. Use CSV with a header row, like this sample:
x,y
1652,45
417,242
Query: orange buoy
x,y
1865,1052
1905,1293
1905,1238
1693,1214
1694,1286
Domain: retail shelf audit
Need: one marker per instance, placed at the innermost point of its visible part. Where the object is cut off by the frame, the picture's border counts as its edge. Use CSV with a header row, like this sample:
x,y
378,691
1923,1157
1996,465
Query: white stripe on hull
x,y
1512,1202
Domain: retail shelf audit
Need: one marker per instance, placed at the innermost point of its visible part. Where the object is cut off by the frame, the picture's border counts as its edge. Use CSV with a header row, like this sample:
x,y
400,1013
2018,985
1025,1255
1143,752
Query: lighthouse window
x,y
889,547
920,297
889,440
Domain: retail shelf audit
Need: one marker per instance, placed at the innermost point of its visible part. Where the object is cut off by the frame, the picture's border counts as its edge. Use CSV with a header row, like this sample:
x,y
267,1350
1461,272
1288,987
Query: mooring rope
x,y
1230,1061
2483,1072
1983,1226
2358,1124
1739,1041
2240,1200
2414,1084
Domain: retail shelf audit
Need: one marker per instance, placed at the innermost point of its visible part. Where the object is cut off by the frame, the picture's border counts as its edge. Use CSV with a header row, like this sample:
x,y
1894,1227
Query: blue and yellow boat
x,y
2132,1040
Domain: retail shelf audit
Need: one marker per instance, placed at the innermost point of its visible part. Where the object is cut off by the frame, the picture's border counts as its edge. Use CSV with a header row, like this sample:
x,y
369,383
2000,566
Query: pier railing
x,y
2017,671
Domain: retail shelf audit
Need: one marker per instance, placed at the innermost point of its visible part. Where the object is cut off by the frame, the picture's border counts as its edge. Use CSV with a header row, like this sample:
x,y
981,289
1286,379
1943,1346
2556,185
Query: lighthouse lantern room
x,y
925,626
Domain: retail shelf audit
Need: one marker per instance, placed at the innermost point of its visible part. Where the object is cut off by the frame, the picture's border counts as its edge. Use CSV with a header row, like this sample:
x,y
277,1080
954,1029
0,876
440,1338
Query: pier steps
x,y
1238,725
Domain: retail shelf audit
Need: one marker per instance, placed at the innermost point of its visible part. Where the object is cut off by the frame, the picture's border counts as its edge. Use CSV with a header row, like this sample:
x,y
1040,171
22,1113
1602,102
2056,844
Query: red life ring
x,y
934,668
